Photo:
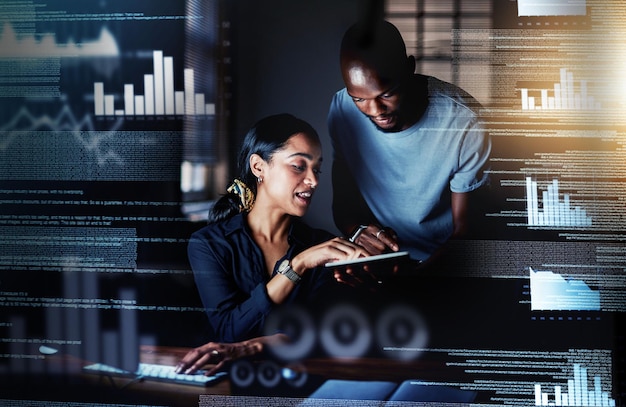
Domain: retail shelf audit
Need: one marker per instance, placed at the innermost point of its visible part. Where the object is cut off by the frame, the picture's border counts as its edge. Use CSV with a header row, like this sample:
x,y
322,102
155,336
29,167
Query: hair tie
x,y
246,196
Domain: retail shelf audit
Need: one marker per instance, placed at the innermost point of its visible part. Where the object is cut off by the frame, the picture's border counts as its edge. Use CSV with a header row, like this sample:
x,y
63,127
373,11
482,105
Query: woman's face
x,y
290,178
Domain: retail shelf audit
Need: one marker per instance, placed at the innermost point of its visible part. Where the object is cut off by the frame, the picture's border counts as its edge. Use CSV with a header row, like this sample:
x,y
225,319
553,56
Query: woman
x,y
256,253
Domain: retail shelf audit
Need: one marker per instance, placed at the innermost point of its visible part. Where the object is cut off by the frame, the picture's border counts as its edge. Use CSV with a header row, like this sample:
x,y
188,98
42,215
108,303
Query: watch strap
x,y
290,274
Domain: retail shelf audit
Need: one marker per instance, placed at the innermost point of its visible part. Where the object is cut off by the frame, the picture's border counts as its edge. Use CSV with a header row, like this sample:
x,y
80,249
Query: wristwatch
x,y
285,269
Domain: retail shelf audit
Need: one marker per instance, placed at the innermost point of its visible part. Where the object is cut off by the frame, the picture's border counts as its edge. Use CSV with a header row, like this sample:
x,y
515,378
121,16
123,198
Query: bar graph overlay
x,y
577,392
160,97
564,95
554,211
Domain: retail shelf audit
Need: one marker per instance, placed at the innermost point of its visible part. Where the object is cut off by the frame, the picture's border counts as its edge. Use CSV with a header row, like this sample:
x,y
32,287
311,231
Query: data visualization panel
x,y
117,136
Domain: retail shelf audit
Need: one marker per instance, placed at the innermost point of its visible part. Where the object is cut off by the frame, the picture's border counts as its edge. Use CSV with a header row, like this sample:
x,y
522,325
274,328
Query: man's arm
x,y
460,209
468,208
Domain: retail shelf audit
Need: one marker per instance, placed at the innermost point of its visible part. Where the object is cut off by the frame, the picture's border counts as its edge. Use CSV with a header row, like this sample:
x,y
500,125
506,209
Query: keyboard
x,y
162,373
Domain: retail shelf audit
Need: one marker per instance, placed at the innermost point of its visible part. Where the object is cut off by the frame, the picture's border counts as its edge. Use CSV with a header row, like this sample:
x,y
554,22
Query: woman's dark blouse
x,y
229,270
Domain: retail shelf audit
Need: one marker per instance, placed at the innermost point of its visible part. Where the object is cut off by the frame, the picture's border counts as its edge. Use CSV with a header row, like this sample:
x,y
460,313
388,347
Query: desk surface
x,y
65,381
60,378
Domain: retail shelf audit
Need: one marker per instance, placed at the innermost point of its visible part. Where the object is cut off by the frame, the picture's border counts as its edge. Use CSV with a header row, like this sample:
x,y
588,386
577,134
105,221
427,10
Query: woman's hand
x,y
219,353
209,353
332,250
279,287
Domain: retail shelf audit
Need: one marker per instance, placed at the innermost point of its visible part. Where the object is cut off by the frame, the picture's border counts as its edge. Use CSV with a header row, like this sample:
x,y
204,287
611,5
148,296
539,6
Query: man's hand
x,y
376,239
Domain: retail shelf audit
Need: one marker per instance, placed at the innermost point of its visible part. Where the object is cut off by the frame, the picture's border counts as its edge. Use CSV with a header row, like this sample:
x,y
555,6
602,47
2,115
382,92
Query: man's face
x,y
379,99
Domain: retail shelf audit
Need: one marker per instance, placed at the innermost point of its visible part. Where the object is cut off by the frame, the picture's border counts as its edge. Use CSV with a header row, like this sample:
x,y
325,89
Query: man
x,y
409,150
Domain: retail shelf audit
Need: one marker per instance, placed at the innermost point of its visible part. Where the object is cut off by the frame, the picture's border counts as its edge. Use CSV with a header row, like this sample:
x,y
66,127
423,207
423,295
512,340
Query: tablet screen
x,y
400,256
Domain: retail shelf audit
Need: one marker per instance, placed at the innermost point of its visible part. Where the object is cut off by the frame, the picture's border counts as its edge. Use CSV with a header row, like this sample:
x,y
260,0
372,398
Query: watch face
x,y
285,269
283,266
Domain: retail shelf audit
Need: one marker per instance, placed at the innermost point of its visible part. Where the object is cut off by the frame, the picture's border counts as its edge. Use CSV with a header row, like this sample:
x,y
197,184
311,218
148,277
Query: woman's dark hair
x,y
267,136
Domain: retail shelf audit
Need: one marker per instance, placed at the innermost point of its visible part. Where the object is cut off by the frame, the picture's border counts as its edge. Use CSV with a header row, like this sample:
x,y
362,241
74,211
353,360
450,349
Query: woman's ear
x,y
257,165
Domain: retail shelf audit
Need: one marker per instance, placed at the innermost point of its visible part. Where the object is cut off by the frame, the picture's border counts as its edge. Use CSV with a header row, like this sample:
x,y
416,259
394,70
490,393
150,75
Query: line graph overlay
x,y
63,147
46,46
551,291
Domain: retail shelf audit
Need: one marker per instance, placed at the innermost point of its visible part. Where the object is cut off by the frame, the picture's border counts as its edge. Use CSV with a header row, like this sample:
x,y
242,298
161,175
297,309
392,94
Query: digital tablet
x,y
398,256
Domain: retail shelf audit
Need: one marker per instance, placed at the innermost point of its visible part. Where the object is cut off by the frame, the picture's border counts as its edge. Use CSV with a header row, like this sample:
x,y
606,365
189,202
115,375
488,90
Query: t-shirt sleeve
x,y
474,153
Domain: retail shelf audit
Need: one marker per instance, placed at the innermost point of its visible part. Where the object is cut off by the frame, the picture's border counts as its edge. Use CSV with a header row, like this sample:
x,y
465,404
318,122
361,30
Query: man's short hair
x,y
374,42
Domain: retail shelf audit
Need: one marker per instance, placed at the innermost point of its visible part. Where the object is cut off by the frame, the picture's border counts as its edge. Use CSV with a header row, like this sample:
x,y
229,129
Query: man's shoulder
x,y
446,92
339,97
343,116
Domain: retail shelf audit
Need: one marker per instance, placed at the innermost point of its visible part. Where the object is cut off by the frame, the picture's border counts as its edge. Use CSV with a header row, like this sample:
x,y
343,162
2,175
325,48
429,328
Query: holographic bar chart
x,y
577,392
554,211
564,95
159,98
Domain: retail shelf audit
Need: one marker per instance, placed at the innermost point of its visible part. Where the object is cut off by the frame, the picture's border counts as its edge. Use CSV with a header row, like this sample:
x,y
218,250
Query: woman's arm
x,y
236,315
279,287
233,313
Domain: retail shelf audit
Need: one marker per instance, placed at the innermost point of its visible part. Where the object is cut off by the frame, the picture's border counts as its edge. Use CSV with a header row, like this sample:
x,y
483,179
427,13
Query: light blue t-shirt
x,y
406,177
